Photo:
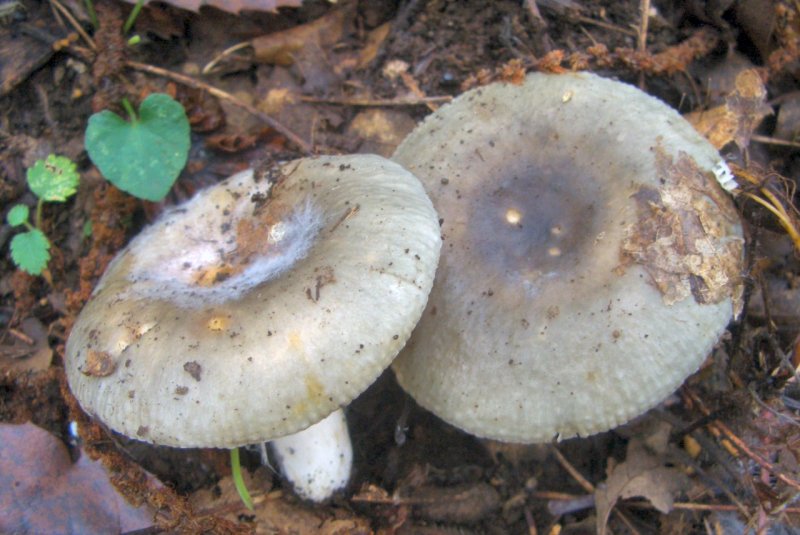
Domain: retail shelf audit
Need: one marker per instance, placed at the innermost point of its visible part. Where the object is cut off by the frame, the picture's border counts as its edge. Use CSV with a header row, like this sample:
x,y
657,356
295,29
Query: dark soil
x,y
733,428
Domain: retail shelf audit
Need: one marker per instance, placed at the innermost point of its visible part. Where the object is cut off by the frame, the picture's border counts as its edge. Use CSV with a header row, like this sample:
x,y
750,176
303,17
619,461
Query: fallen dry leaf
x,y
281,48
744,109
26,349
42,491
381,130
460,504
273,512
375,40
233,6
788,125
642,474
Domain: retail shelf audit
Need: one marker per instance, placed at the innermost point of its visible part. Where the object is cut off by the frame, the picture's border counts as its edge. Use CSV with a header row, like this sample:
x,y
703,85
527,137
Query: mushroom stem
x,y
317,460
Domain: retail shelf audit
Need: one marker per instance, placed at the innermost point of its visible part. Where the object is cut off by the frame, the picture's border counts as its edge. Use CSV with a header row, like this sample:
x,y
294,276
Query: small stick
x,y
224,95
774,141
365,102
605,25
739,443
644,13
75,25
582,481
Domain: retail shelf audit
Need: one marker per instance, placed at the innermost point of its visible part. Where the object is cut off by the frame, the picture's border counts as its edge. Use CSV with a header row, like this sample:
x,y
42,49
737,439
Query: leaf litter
x,y
331,73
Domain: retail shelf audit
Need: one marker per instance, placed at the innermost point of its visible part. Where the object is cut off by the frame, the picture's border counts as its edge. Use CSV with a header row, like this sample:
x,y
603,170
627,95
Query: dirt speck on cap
x,y
194,369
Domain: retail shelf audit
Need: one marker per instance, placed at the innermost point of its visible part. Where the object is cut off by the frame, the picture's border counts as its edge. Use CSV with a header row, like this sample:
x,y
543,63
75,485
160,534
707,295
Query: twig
x,y
582,481
365,102
224,95
211,65
644,13
530,521
641,45
75,24
774,141
533,11
19,335
787,219
606,25
688,506
738,442
789,420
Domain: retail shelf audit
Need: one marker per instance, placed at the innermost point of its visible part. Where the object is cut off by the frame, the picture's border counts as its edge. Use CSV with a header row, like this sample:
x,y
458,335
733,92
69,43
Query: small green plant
x,y
238,480
144,156
134,14
53,179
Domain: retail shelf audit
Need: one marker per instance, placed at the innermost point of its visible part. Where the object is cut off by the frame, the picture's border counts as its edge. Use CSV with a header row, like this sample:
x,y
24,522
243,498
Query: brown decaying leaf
x,y
233,6
280,48
381,131
461,504
641,474
787,126
42,491
231,143
375,40
744,109
273,512
26,348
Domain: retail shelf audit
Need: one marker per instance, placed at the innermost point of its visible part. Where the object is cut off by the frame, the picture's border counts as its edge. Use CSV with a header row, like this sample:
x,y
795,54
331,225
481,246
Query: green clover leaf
x,y
54,179
145,156
18,215
31,251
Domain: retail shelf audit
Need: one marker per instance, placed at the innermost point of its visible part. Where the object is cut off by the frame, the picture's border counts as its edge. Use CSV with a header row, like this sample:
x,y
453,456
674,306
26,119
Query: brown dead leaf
x,y
281,48
375,39
744,109
642,474
231,143
460,504
757,18
273,513
276,99
233,6
26,349
788,124
204,112
42,491
381,130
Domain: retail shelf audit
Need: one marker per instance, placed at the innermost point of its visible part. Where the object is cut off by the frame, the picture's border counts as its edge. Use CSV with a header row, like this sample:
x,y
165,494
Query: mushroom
x,y
258,308
590,260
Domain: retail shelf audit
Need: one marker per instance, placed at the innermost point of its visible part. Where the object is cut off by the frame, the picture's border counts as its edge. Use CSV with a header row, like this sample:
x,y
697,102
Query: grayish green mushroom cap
x,y
590,260
258,307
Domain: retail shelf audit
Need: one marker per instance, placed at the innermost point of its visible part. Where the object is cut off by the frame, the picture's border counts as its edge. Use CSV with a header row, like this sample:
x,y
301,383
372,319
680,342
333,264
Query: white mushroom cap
x,y
590,261
258,307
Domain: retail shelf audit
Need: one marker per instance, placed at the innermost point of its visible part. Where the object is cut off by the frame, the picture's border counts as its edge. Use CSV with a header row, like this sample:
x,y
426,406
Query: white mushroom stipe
x,y
316,460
